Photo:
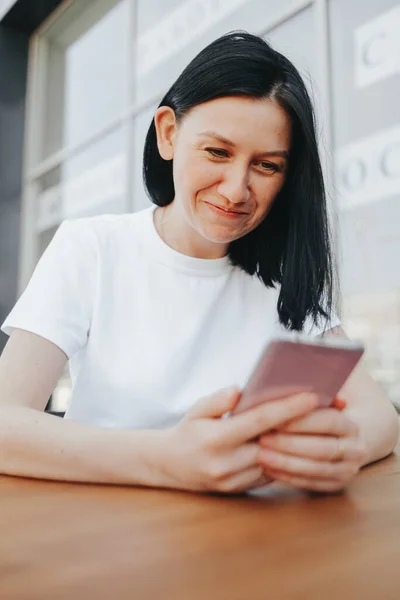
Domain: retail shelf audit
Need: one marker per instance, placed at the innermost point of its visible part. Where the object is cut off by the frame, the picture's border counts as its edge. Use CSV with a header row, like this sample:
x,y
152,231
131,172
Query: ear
x,y
166,127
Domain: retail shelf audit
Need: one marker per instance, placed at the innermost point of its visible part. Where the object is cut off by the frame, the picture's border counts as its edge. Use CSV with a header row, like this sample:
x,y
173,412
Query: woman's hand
x,y
322,451
207,453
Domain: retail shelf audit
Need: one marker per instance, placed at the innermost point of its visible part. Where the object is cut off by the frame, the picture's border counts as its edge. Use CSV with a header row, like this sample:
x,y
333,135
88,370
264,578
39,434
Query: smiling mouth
x,y
225,210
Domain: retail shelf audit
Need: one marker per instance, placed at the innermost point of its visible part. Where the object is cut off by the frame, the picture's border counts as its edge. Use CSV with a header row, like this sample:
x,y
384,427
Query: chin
x,y
218,234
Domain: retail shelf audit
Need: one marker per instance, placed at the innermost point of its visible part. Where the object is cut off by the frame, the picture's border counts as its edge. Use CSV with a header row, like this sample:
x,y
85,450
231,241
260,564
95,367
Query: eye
x,y
267,166
217,152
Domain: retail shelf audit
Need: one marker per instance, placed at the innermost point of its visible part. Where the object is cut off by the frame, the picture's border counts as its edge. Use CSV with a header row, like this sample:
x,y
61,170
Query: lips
x,y
229,212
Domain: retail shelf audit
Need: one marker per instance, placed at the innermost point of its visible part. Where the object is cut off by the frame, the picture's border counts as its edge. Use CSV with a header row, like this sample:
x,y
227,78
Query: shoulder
x,y
103,224
104,229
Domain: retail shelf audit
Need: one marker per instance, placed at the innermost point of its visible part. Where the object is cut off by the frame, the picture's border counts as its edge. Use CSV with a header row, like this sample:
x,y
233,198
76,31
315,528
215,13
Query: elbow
x,y
381,433
394,431
3,444
8,436
391,432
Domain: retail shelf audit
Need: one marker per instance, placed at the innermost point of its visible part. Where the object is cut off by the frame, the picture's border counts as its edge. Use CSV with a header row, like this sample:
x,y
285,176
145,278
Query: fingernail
x,y
339,403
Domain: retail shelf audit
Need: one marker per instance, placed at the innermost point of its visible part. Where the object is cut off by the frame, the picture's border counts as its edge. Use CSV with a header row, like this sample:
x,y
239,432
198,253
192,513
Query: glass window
x,y
366,87
171,33
86,72
90,183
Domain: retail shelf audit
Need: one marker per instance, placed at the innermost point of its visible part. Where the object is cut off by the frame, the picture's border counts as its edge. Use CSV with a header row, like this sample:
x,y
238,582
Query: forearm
x,y
39,445
371,409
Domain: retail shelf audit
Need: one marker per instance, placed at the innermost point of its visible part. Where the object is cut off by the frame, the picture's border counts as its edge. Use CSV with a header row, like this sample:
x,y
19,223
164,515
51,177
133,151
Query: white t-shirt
x,y
147,330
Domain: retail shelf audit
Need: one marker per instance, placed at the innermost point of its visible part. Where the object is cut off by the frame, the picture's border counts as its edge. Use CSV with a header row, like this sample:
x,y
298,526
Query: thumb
x,y
216,404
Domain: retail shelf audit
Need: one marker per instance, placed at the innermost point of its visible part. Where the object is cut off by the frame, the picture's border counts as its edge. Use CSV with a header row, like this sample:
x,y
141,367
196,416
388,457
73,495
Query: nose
x,y
235,184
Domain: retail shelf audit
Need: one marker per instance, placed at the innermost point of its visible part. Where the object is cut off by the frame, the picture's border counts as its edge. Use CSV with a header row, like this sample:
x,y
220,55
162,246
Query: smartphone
x,y
294,363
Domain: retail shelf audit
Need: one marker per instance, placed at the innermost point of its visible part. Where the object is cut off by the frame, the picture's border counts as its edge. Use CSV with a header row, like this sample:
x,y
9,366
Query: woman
x,y
159,308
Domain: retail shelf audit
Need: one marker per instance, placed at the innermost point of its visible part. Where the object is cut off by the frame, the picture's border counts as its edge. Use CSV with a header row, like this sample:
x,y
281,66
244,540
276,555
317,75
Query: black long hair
x,y
292,245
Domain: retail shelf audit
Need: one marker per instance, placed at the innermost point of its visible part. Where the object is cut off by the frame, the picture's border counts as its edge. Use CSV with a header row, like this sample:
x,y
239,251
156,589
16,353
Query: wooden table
x,y
71,541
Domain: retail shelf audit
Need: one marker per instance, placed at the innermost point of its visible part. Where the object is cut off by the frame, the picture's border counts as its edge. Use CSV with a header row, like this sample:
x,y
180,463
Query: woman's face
x,y
230,158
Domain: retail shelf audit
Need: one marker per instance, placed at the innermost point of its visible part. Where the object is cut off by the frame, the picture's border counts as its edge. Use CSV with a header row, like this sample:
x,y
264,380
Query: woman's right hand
x,y
206,453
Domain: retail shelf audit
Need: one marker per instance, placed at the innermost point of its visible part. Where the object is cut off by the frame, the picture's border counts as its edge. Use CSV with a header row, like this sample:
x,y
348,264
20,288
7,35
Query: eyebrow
x,y
224,140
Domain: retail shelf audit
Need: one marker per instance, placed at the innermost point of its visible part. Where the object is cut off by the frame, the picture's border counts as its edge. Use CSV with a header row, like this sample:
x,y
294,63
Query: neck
x,y
175,230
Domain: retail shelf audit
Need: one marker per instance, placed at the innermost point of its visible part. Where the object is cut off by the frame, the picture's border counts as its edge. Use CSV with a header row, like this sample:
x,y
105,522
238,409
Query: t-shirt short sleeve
x,y
57,303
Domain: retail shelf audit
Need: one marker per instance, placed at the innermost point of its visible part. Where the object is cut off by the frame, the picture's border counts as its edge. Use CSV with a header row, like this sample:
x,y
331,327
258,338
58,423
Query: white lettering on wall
x,y
377,48
369,169
181,26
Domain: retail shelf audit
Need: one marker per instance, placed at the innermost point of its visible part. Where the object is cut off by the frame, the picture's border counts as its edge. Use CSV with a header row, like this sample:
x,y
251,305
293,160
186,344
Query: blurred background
x,y
80,81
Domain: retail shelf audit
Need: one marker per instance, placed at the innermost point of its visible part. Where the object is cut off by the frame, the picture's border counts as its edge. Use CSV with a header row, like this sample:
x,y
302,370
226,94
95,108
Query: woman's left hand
x,y
321,452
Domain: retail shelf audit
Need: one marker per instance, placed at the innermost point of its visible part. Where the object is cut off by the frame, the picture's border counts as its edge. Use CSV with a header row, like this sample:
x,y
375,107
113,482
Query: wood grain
x,y
70,541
